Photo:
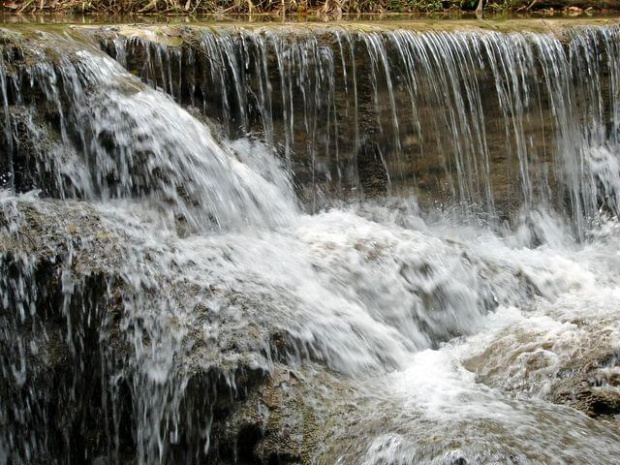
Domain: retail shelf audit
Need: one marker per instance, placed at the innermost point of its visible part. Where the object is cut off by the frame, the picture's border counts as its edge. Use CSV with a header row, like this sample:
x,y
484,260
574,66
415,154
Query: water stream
x,y
316,246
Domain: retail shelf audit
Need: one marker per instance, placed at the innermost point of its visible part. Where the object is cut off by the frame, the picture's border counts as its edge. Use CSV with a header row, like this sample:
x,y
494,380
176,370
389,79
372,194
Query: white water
x,y
374,295
451,333
483,396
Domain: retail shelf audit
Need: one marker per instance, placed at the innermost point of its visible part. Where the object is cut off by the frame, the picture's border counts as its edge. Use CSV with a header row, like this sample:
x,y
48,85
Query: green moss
x,y
173,35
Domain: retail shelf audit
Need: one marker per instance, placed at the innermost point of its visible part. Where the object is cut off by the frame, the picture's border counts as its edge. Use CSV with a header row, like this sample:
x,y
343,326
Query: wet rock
x,y
88,373
591,385
372,170
576,367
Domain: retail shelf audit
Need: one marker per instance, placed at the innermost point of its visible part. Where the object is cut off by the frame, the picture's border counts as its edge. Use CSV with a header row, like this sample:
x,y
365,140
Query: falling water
x,y
291,246
117,141
482,120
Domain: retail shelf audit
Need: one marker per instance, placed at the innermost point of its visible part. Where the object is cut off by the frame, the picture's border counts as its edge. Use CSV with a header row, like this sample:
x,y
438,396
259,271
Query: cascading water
x,y
484,120
179,293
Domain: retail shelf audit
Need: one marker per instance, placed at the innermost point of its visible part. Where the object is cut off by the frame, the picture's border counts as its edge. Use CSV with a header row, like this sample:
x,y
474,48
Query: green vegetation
x,y
322,8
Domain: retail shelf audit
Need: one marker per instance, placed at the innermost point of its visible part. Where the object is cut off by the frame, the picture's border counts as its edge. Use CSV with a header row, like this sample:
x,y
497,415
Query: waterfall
x,y
322,244
118,140
482,120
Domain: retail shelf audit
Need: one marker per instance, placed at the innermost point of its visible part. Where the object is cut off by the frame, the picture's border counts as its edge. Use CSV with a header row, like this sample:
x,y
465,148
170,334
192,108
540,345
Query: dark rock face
x,y
56,348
